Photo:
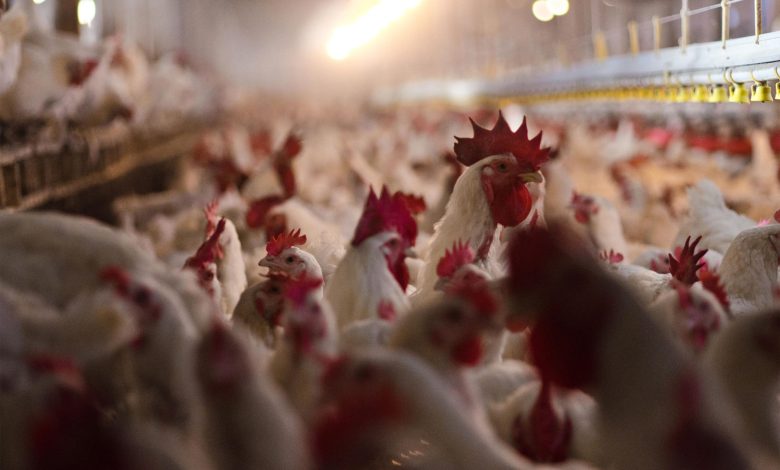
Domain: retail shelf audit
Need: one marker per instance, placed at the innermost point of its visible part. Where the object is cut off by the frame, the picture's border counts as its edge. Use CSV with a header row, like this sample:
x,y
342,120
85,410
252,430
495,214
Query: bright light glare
x,y
558,7
542,11
38,2
366,27
86,11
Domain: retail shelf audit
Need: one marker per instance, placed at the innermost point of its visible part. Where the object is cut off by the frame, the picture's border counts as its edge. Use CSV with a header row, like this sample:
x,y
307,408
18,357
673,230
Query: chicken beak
x,y
268,263
410,253
534,177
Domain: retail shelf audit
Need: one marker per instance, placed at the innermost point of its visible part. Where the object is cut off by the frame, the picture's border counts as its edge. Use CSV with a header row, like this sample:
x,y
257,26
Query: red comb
x,y
292,146
612,257
260,142
283,241
777,216
297,290
485,143
385,213
584,206
415,204
259,209
210,211
684,269
208,250
283,163
711,282
478,296
118,277
455,258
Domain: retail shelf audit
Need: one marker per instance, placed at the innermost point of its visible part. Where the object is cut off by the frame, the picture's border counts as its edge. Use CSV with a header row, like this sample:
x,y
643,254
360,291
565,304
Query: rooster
x,y
491,192
371,280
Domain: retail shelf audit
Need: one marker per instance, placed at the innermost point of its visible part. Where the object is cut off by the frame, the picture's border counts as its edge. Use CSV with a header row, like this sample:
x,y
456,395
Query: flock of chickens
x,y
589,301
50,80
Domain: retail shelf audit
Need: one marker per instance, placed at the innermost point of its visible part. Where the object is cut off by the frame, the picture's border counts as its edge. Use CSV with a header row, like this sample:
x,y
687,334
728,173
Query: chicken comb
x,y
283,163
260,142
385,213
208,251
499,140
584,206
210,211
118,277
612,257
777,216
455,258
259,209
297,290
684,269
284,241
711,281
292,146
478,296
415,204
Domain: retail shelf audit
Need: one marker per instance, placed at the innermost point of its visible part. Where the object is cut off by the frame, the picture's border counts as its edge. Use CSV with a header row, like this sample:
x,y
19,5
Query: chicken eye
x,y
289,259
208,275
502,167
274,290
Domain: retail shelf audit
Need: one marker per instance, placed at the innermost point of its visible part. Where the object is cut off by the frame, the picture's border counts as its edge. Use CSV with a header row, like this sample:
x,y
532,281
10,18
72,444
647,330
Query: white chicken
x,y
371,280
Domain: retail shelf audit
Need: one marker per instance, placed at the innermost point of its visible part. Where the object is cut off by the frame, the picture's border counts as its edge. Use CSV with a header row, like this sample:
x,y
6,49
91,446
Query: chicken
x,y
745,359
375,401
310,340
37,248
490,192
654,406
749,269
546,425
204,263
709,217
92,326
219,262
601,221
13,27
371,280
285,258
161,355
692,315
241,404
448,336
650,285
259,309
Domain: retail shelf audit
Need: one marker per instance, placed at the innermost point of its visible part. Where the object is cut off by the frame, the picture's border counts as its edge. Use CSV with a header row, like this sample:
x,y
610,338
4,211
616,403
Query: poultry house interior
x,y
371,234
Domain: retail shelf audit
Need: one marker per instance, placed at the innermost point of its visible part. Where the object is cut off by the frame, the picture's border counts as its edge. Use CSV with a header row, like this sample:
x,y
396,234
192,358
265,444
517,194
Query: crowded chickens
x,y
428,287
